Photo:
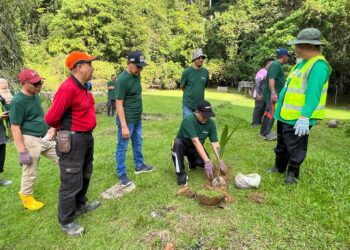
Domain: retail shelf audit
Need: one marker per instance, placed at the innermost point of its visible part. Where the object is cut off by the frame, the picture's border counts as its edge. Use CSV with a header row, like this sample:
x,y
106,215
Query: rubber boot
x,y
30,203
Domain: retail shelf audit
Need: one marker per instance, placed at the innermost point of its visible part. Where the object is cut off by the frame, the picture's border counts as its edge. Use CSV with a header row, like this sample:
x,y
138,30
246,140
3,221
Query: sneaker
x,y
87,208
291,179
73,229
182,180
145,168
124,181
5,182
270,137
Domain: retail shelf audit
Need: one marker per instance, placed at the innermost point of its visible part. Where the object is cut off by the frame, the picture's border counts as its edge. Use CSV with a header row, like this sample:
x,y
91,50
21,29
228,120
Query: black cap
x,y
137,58
205,108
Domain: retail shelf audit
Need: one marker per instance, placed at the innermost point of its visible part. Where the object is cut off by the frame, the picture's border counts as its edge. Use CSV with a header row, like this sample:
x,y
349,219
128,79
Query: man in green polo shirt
x,y
195,129
274,83
129,110
301,103
31,134
111,87
193,82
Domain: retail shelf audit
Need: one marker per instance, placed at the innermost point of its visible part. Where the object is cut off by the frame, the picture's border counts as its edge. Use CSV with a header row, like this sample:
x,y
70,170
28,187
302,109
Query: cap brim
x,y
296,41
141,64
199,57
208,114
35,80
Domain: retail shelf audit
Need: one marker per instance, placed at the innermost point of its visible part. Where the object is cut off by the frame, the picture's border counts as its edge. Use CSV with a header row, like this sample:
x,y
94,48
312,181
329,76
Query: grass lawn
x,y
314,214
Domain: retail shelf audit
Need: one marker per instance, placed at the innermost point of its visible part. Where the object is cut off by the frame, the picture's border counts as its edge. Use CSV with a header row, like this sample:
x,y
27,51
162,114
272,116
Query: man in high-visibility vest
x,y
301,103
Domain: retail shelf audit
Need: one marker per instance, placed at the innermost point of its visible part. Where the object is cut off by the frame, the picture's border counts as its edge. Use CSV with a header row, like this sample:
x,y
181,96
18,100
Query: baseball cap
x,y
77,57
197,53
205,108
29,76
137,58
282,52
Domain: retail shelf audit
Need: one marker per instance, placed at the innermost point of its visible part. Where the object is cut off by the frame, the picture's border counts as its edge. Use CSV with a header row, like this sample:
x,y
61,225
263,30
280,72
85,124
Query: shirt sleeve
x,y
17,113
213,136
188,129
319,75
274,70
121,89
61,102
183,81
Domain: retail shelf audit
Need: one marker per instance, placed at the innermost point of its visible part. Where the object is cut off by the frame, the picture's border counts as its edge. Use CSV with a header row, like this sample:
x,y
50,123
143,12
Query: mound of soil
x,y
210,201
256,197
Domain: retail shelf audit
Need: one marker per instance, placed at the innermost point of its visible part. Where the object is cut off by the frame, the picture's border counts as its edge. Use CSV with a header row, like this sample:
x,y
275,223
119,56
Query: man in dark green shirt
x,y
195,129
129,110
111,87
274,83
193,82
31,134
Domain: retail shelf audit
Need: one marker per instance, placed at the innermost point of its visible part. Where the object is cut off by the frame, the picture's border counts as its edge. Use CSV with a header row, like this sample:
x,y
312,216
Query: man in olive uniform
x,y
195,129
274,83
193,82
301,103
111,87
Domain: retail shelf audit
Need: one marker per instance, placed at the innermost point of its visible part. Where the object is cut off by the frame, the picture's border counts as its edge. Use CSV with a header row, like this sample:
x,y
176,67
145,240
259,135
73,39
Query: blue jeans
x,y
135,131
186,111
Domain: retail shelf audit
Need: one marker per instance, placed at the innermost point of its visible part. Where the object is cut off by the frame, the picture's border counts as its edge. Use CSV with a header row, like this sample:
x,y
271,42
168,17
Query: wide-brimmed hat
x,y
307,36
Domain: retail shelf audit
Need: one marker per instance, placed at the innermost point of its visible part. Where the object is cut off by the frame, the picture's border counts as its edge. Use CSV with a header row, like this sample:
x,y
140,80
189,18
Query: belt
x,y
80,132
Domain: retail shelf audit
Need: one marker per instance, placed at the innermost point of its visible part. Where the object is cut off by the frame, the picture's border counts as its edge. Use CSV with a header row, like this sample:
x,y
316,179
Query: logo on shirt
x,y
205,132
203,78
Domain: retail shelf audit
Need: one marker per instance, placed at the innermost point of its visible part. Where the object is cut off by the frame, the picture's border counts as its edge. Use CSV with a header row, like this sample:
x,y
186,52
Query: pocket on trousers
x,y
64,141
70,173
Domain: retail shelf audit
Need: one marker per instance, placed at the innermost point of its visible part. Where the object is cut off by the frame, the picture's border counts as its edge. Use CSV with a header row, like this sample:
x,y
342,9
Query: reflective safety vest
x,y
294,99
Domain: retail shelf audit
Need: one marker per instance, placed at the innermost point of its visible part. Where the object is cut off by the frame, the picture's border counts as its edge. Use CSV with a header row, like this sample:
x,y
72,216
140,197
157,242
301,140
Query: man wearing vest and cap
x,y
274,83
194,130
301,103
129,110
31,134
73,114
193,82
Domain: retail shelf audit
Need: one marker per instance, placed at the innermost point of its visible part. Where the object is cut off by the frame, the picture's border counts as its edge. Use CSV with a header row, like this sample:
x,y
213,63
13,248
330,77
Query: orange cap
x,y
76,57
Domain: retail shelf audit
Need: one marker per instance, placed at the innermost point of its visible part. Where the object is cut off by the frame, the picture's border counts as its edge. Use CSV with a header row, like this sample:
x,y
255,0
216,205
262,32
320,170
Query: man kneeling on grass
x,y
194,130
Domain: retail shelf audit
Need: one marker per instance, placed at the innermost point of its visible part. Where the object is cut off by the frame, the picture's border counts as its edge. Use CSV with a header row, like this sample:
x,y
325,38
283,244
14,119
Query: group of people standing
x,y
64,134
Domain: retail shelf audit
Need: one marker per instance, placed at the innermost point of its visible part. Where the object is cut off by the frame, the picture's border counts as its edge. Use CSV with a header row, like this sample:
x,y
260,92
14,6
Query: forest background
x,y
235,35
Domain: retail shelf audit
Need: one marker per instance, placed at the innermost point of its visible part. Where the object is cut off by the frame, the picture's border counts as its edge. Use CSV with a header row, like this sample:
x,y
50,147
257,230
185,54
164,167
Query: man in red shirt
x,y
73,114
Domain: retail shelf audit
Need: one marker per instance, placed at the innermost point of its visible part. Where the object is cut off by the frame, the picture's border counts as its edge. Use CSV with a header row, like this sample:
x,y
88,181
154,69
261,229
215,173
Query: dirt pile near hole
x,y
259,198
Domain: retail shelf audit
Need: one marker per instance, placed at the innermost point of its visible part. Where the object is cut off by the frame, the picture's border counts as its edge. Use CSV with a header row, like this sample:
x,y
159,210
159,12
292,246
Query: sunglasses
x,y
139,67
37,84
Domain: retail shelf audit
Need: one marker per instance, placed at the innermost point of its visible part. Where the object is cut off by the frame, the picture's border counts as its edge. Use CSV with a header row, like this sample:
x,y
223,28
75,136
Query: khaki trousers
x,y
36,146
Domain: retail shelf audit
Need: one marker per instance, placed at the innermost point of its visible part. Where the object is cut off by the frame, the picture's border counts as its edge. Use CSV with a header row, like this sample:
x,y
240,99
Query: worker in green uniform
x,y
193,82
111,88
301,103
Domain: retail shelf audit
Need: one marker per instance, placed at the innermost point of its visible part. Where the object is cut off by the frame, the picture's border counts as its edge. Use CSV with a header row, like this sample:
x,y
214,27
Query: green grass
x,y
314,214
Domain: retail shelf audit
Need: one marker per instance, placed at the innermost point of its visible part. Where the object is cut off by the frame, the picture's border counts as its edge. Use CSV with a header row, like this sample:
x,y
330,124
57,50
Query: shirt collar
x,y
78,83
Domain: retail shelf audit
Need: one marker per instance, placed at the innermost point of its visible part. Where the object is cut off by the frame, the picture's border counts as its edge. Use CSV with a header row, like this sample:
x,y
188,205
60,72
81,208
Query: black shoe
x,y
182,180
87,208
144,169
73,229
291,179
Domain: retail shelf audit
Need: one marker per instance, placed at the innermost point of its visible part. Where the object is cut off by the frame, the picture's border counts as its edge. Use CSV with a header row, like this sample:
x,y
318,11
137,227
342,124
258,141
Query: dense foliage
x,y
236,35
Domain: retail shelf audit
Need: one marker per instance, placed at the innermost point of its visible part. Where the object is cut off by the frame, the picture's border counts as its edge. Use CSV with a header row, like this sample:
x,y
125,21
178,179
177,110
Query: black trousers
x,y
178,153
258,112
76,169
111,104
291,149
268,120
2,156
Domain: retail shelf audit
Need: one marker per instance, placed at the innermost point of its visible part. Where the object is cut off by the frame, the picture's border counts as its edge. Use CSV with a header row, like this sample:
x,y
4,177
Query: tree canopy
x,y
236,35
